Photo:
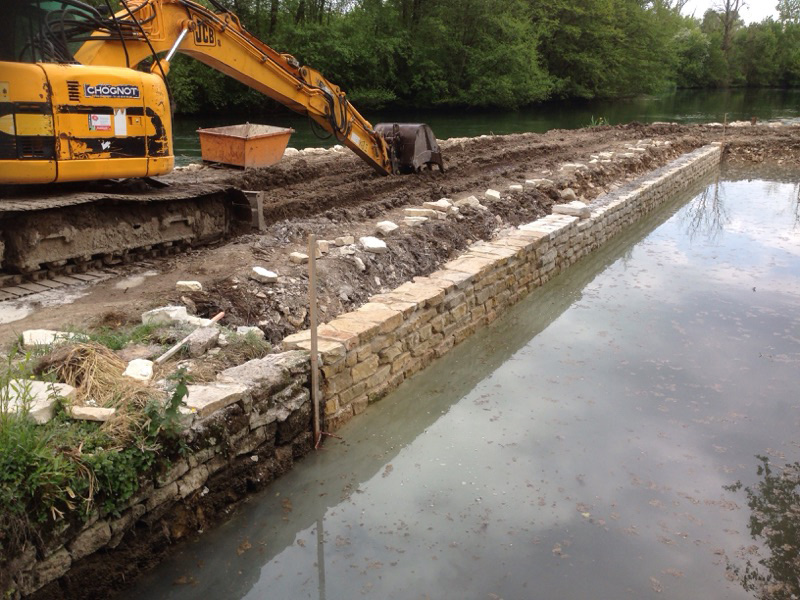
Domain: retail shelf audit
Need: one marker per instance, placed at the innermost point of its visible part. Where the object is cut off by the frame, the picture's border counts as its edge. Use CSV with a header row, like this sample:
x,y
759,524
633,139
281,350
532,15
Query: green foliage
x,y
774,504
116,338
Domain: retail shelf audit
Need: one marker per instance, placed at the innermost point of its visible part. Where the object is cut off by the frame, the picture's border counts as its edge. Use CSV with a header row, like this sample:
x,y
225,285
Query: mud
x,y
333,194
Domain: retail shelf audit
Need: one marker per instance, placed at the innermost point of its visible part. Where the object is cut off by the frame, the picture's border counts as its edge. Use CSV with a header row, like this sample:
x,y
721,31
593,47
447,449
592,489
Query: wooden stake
x,y
312,301
169,353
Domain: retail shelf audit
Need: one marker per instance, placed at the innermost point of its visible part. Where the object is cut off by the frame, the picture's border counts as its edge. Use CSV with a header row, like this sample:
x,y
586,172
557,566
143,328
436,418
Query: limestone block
x,y
202,340
441,205
469,201
373,244
420,212
272,372
168,315
537,183
332,352
345,240
386,227
48,570
324,246
46,337
207,399
140,368
515,187
263,275
568,194
91,413
387,318
188,286
38,398
90,540
576,208
492,194
298,258
414,221
244,330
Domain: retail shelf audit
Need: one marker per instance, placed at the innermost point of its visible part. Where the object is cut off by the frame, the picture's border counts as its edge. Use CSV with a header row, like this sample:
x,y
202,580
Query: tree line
x,y
505,53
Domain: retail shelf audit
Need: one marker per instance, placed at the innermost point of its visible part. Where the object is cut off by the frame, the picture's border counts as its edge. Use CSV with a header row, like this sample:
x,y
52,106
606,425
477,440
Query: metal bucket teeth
x,y
412,146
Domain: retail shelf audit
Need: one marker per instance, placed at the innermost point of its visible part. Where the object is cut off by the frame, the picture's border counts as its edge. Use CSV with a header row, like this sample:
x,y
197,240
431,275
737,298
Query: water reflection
x,y
771,570
707,216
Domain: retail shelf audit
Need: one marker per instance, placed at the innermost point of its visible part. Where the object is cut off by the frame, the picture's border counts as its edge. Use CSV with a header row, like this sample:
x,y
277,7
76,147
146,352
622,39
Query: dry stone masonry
x,y
370,351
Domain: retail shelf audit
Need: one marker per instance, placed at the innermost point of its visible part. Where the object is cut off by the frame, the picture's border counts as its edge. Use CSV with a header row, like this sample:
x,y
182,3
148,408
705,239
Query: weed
x,y
598,122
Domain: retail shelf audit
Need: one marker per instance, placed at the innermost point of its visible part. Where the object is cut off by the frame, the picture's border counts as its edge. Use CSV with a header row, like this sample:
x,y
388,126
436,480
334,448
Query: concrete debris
x,y
345,240
45,337
569,194
140,369
91,413
263,275
469,201
256,331
386,227
38,398
373,244
441,205
575,208
167,315
188,286
298,258
202,340
492,194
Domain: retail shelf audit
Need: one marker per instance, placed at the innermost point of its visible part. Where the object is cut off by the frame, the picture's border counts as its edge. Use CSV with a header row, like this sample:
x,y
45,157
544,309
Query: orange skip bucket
x,y
249,145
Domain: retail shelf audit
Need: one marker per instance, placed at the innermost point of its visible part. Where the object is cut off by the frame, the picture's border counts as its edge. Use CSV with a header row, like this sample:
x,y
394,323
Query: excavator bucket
x,y
412,146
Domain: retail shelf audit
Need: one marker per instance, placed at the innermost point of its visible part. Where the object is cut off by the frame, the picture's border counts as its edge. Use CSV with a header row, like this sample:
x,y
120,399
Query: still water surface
x,y
577,448
685,106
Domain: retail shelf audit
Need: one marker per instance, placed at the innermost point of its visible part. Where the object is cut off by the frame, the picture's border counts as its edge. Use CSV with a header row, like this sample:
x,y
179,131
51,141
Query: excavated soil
x,y
333,194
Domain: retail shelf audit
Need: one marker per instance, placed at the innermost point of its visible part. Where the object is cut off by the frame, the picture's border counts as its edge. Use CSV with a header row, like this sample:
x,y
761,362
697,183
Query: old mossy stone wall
x,y
250,426
370,351
245,430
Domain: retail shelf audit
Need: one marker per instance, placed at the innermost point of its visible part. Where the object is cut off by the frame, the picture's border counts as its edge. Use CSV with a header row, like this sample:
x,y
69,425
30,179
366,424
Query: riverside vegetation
x,y
503,53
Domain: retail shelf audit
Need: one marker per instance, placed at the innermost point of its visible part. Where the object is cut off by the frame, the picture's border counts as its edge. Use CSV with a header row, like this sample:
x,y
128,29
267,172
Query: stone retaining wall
x,y
249,427
370,351
245,430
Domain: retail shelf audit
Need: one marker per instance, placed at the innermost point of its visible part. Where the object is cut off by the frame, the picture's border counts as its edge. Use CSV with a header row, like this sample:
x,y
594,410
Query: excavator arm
x,y
150,28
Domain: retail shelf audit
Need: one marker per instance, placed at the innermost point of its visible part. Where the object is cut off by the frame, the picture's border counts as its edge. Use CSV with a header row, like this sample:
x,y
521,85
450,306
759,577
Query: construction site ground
x,y
333,194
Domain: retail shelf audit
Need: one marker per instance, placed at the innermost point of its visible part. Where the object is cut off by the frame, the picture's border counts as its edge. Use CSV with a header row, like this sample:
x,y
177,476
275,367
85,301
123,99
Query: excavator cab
x,y
412,146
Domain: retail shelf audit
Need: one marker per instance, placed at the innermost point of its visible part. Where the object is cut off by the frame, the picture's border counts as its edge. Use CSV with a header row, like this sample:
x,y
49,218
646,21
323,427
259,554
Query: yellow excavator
x,y
83,95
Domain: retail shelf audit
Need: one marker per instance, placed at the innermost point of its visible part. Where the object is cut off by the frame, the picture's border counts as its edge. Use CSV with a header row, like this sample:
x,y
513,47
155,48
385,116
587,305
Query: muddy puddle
x,y
578,448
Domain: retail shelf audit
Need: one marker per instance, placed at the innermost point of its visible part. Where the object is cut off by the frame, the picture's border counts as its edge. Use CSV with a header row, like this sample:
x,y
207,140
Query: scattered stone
x,y
46,337
545,183
39,397
202,340
373,244
167,315
324,246
453,210
291,152
360,264
204,400
263,275
414,221
573,166
386,227
347,250
493,194
140,369
256,331
469,201
420,212
442,205
188,286
569,194
91,413
345,240
515,187
298,258
575,208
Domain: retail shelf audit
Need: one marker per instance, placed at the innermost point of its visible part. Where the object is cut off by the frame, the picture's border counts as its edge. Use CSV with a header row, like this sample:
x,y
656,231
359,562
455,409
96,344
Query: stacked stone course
x,y
370,351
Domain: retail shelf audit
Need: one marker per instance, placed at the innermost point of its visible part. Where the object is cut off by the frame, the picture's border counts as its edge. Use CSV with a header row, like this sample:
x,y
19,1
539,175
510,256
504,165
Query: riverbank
x,y
410,247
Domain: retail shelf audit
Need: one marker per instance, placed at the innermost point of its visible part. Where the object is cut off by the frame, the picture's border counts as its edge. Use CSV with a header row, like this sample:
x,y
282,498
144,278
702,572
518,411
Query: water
x,y
688,106
577,448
